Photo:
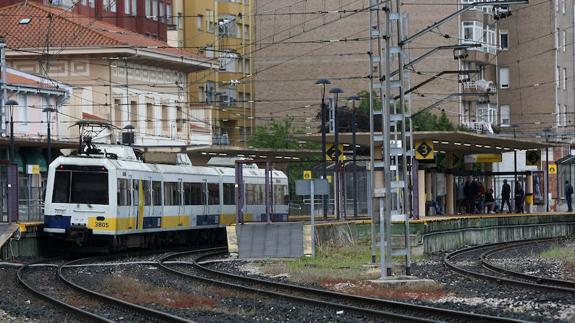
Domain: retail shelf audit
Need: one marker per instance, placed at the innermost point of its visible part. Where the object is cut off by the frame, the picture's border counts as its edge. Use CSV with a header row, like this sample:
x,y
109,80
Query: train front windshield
x,y
80,185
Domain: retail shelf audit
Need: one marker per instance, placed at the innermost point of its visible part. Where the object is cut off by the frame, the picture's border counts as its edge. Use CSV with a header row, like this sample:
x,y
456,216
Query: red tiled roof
x,y
62,29
15,79
89,116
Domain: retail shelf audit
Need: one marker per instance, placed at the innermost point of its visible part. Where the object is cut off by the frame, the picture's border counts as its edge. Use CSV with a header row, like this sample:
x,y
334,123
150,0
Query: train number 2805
x,y
102,225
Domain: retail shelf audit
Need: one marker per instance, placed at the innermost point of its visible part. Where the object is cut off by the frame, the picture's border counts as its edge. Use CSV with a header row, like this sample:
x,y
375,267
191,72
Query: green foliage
x,y
364,101
427,121
277,134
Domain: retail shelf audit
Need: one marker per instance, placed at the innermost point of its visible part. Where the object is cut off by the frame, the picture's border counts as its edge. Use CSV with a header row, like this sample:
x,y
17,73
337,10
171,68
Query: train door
x,y
205,194
181,214
124,201
148,205
133,207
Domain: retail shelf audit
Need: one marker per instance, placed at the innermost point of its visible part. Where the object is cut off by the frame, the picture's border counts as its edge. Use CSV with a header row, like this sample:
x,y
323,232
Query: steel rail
x,y
542,282
425,311
54,300
499,279
164,317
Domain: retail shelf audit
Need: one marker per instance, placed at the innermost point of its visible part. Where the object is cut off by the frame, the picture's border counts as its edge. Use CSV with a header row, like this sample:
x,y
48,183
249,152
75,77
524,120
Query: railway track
x,y
480,266
50,283
364,306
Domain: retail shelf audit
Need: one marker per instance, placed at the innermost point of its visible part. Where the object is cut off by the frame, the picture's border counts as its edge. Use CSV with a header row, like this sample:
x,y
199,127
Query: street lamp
x,y
11,104
322,82
353,99
49,120
336,91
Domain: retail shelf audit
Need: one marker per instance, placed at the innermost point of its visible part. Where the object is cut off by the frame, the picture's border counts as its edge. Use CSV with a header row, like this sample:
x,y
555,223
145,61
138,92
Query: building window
x,y
155,9
134,113
558,116
162,12
148,8
165,118
180,21
209,21
150,116
505,113
504,77
563,6
472,32
563,40
179,119
486,113
556,5
127,7
200,22
504,40
169,15
134,7
564,79
557,82
113,6
564,116
227,27
92,3
246,31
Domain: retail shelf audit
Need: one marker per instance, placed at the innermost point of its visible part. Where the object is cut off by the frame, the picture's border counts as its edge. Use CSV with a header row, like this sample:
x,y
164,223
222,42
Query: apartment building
x,y
152,18
518,72
539,68
116,75
221,30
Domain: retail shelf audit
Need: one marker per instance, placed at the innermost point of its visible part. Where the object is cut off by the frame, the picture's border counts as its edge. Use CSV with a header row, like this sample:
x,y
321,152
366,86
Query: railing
x,y
479,126
479,85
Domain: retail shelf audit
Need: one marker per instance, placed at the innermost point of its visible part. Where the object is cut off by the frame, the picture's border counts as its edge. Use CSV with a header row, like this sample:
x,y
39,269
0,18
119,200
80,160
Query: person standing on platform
x,y
505,196
569,196
519,197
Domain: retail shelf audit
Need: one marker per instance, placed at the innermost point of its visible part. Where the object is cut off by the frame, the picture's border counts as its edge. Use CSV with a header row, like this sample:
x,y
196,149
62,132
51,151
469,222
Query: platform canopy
x,y
458,142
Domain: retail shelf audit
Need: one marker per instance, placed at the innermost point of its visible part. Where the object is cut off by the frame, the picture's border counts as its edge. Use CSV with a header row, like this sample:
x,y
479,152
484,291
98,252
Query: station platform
x,y
434,234
15,231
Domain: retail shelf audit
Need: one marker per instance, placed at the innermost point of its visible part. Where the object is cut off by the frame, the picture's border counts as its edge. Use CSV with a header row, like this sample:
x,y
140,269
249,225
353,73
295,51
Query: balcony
x,y
479,126
481,86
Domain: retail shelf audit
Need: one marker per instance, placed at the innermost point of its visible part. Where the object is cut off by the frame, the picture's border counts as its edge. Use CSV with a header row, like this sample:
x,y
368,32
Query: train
x,y
113,198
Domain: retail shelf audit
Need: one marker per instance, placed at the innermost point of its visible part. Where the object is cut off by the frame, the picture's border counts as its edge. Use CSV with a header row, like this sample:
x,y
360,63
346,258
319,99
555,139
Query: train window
x,y
157,192
61,187
255,194
229,194
171,193
193,194
123,192
89,188
136,191
147,193
213,194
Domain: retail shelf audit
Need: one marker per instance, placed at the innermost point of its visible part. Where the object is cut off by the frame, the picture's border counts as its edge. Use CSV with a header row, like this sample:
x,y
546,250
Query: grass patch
x,y
565,254
345,269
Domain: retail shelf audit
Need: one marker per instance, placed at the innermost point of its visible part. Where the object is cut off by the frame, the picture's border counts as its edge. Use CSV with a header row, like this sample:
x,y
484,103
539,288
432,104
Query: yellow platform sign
x,y
331,152
424,150
552,169
307,174
482,158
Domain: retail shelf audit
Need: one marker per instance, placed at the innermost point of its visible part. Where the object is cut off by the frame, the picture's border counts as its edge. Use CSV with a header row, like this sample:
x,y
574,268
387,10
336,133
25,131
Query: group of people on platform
x,y
473,198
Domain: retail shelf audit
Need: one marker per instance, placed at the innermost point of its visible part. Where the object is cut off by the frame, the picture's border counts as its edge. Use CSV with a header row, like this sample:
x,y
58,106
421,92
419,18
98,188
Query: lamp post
x,y
322,82
336,91
49,120
11,104
547,131
353,99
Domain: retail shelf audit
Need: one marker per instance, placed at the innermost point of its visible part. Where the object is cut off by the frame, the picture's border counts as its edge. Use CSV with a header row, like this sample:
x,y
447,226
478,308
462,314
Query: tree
x,y
277,134
427,121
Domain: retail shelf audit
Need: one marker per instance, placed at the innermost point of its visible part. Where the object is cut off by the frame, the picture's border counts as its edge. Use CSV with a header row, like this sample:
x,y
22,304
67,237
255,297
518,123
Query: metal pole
x,y
49,138
312,195
267,192
353,130
547,179
12,148
323,149
336,168
3,94
370,187
386,221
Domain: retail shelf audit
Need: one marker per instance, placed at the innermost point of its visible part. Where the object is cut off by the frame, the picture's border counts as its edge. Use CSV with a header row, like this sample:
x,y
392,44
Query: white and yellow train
x,y
116,199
